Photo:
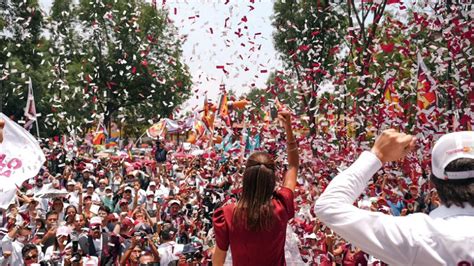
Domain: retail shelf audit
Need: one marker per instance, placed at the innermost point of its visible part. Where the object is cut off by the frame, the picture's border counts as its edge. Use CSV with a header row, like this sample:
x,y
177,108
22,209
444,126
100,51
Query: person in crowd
x,y
51,227
71,213
100,244
55,253
255,227
444,237
13,243
30,255
169,250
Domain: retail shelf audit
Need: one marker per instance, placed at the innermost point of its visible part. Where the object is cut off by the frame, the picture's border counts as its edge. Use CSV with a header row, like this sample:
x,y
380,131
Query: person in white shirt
x,y
101,189
169,251
445,237
90,192
13,243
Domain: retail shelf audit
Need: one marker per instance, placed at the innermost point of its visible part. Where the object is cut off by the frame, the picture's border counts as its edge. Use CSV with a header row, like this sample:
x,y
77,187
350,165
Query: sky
x,y
233,37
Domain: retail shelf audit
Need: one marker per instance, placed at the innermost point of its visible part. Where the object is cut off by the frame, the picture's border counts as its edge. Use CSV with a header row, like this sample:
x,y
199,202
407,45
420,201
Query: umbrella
x,y
51,193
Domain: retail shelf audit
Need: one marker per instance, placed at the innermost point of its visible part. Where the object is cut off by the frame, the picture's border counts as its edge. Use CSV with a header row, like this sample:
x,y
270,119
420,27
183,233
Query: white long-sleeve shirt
x,y
445,237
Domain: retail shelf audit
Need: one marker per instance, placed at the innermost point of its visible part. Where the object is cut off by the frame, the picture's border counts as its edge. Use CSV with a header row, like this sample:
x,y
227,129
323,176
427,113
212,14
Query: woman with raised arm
x,y
255,227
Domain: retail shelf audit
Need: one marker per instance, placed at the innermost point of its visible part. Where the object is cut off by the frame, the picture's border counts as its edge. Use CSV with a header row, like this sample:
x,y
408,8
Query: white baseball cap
x,y
448,148
63,231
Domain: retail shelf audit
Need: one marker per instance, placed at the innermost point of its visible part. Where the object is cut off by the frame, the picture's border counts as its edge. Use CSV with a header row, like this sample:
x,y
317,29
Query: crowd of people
x,y
156,208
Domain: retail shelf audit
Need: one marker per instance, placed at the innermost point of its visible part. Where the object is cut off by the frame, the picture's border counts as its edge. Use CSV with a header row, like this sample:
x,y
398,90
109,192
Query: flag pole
x,y
37,128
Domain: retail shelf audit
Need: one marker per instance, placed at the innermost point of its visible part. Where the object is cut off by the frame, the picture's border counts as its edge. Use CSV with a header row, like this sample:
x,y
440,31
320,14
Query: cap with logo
x,y
451,147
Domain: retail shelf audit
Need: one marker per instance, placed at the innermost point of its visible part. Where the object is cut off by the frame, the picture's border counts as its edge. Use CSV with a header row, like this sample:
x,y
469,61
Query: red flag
x,y
392,99
206,118
30,109
206,106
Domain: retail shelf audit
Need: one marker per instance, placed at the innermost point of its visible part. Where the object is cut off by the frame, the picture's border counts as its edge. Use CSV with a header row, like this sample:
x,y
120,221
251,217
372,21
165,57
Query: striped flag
x,y
30,109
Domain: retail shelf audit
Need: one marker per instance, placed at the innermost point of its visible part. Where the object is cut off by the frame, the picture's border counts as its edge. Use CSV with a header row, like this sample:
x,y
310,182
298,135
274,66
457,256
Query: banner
x,y
21,157
160,129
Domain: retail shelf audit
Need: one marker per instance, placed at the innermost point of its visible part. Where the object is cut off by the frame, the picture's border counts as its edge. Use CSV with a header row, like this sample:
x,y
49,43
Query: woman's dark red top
x,y
255,248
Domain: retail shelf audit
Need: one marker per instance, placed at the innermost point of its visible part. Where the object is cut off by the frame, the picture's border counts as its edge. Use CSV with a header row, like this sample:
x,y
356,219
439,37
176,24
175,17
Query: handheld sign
x,y
20,155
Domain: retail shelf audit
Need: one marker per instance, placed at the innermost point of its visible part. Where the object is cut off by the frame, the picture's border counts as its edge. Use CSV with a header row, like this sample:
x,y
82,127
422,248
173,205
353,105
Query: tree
x,y
22,53
132,66
101,60
308,36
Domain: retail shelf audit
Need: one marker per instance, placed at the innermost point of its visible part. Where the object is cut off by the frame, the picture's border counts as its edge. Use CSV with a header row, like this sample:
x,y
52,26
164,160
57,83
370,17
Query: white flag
x,y
21,157
30,109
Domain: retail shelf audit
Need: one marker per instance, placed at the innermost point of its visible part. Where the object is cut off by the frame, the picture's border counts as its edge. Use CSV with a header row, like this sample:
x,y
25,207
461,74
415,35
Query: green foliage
x,y
98,61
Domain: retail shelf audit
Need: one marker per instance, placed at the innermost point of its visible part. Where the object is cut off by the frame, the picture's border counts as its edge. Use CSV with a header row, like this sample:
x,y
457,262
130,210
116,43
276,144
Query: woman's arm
x,y
218,258
127,253
135,199
292,151
79,194
154,251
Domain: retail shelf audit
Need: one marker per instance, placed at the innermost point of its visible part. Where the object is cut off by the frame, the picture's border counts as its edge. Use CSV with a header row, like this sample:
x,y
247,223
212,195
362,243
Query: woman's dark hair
x,y
27,248
457,192
105,209
254,210
51,213
67,218
56,242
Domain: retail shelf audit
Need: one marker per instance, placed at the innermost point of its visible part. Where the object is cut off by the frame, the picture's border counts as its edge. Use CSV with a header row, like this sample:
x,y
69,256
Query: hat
x,y
71,183
108,188
113,217
152,183
95,221
174,202
123,202
150,193
63,231
448,148
310,236
90,185
127,222
128,188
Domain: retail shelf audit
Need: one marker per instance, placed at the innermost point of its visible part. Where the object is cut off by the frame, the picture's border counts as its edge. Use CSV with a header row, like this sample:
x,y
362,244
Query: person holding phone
x,y
255,227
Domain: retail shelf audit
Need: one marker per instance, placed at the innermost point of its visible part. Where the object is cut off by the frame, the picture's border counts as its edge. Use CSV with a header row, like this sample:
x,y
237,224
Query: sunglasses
x,y
35,256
